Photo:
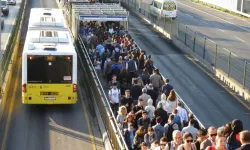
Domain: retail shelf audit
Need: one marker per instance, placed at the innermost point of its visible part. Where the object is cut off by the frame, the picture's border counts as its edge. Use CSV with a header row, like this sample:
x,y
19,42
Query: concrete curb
x,y
9,74
105,137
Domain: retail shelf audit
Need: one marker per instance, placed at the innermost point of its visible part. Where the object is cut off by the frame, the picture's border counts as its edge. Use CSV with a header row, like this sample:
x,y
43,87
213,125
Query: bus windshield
x,y
169,6
49,69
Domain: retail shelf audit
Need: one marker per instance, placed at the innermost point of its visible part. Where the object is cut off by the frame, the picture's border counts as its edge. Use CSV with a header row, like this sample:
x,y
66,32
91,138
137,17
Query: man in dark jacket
x,y
166,88
162,113
245,140
136,91
153,94
129,136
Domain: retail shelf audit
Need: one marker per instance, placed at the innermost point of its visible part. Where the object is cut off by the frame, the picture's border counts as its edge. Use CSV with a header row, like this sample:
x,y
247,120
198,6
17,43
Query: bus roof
x,y
45,42
46,17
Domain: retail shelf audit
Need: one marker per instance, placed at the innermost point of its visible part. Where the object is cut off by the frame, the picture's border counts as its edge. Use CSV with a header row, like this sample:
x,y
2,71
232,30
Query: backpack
x,y
116,69
158,132
170,132
177,120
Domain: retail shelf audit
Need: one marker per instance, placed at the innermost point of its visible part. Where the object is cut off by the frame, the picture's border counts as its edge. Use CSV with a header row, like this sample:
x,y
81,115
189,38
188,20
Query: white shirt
x,y
192,130
182,113
171,105
114,95
164,105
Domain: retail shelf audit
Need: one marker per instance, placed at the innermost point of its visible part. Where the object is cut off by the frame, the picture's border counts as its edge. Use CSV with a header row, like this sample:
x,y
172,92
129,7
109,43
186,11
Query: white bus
x,y
49,62
164,8
47,17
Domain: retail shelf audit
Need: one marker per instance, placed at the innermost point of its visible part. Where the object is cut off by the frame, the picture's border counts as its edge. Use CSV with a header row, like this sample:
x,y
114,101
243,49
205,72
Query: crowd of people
x,y
145,104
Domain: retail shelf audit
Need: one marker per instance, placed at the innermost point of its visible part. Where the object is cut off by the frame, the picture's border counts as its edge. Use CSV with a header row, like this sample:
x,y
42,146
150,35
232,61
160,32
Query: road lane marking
x,y
204,22
216,80
11,104
88,124
231,52
189,15
221,30
239,39
215,17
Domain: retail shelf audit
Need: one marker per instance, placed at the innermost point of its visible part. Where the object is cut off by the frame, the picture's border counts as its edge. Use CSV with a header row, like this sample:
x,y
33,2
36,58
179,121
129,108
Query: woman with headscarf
x,y
150,109
164,102
233,140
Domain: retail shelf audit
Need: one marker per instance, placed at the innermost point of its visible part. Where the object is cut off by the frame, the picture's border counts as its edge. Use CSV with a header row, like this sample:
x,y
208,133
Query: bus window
x,y
49,69
169,6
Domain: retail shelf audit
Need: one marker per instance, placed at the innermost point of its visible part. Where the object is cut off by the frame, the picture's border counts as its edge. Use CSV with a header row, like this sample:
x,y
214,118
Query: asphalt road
x,y
228,31
48,127
8,25
212,104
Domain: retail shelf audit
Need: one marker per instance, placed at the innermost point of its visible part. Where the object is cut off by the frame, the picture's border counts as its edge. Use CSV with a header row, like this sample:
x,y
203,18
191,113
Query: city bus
x,y
49,64
46,17
164,8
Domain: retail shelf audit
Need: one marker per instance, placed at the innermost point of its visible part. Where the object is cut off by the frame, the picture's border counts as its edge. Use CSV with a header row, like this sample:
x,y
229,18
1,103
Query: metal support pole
x,y
242,5
216,54
229,64
194,41
171,21
164,23
204,49
245,74
140,4
186,36
178,24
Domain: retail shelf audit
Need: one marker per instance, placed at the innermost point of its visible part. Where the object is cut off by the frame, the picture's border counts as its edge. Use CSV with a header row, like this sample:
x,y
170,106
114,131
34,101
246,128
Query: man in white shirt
x,y
182,113
145,97
191,129
114,97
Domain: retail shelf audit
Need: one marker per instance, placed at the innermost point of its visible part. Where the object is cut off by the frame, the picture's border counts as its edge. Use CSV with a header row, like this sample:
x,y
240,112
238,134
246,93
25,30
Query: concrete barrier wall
x,y
15,45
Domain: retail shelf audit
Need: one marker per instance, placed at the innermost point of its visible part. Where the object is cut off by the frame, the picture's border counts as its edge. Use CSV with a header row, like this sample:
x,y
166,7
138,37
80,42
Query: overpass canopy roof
x,y
100,12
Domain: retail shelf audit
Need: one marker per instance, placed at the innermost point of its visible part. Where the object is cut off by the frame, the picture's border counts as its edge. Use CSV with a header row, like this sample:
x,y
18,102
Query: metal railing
x,y
103,102
215,55
115,135
6,57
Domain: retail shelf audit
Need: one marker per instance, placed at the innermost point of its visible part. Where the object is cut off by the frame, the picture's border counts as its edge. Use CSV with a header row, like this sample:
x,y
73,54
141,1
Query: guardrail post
x,y
186,36
229,64
215,59
164,23
204,49
140,4
245,74
178,30
171,21
194,41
